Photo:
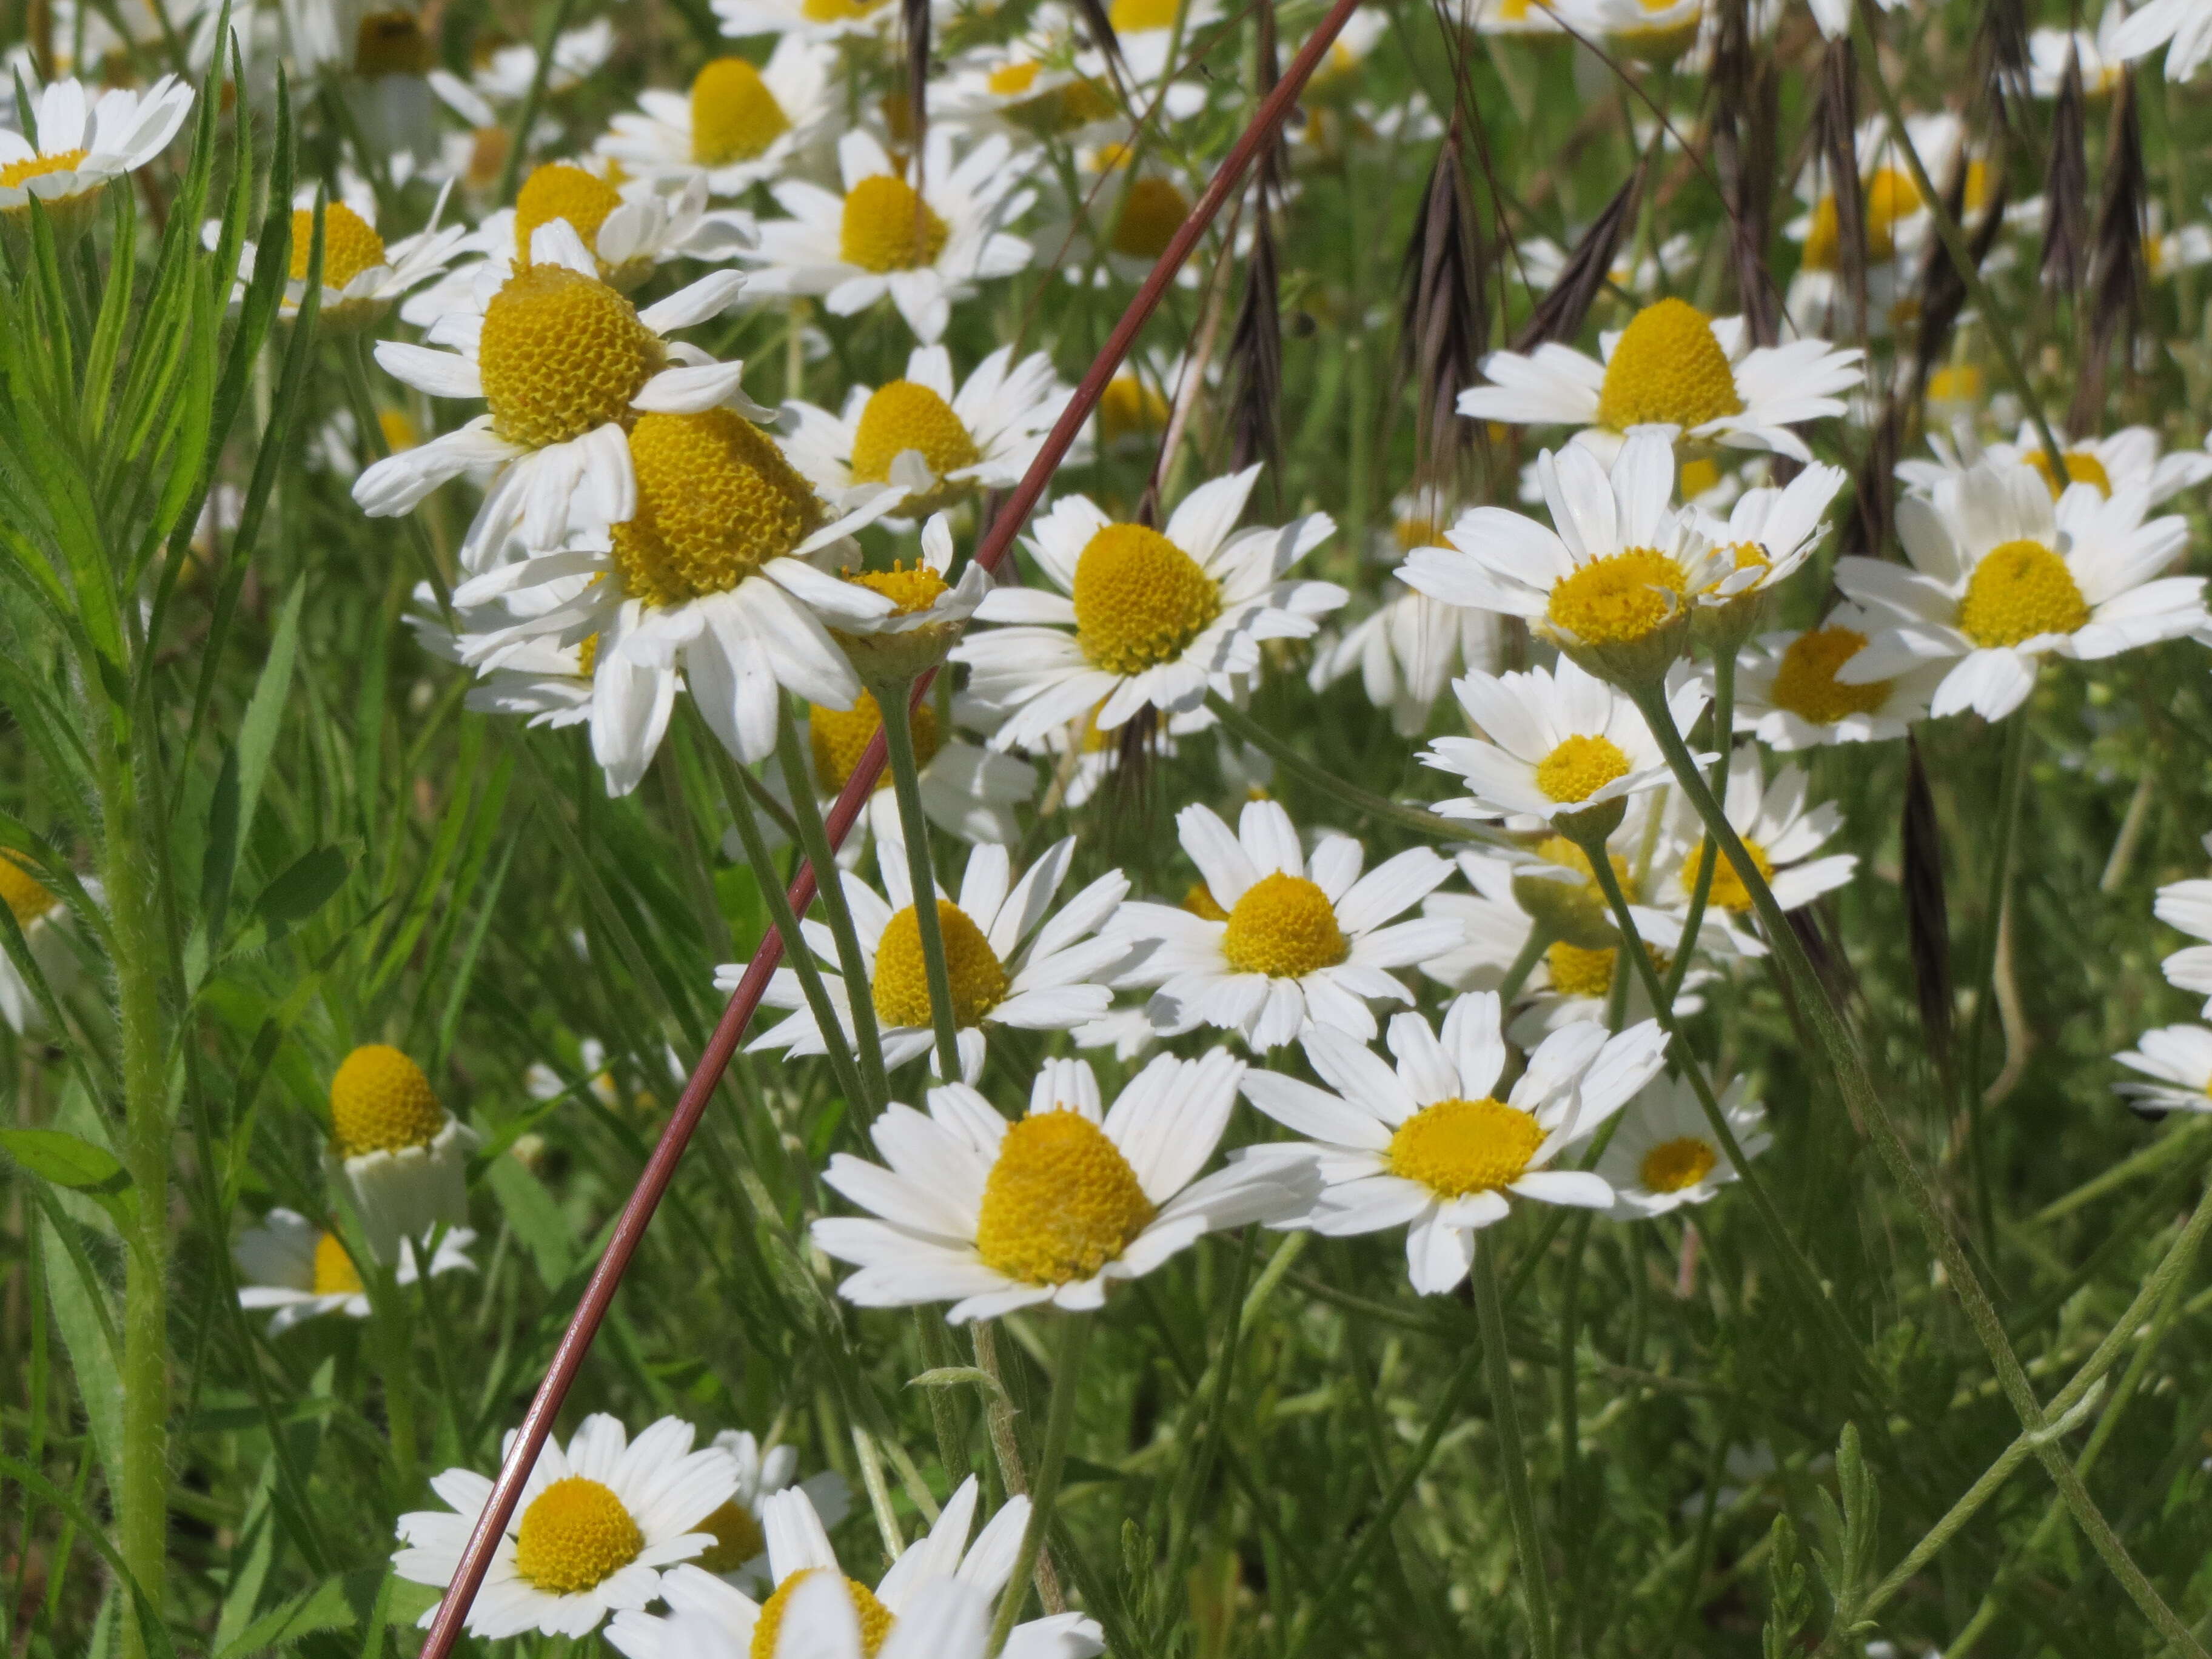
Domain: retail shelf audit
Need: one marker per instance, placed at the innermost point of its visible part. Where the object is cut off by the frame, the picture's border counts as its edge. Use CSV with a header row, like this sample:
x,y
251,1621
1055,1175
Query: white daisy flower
x,y
940,441
742,124
503,78
1896,222
2178,1059
881,239
1145,30
1834,16
2186,247
1613,583
710,1619
993,1216
811,19
1556,747
1540,18
1030,89
403,1156
2186,906
927,612
1149,617
1788,696
1013,960
1765,540
2002,577
1427,1146
363,278
1294,941
2048,49
1672,366
1781,834
85,140
564,363
2129,461
595,1525
1664,1156
2183,27
1404,652
50,932
546,683
739,1554
1123,222
291,1265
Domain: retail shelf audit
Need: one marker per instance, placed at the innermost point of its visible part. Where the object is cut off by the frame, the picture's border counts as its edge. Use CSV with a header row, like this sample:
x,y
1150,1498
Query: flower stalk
x,y
892,700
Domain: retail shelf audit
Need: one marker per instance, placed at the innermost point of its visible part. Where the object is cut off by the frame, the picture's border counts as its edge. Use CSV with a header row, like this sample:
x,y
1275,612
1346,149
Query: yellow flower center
x,y
487,157
1417,530
1130,409
1579,768
561,353
1061,1201
38,166
399,431
716,499
2081,467
1619,599
2018,591
901,992
559,189
1064,108
1805,682
1455,1147
1891,197
391,43
1728,890
1140,599
875,1620
1668,368
1558,849
1135,17
1153,211
1200,902
909,588
1674,1165
1955,383
587,656
737,1538
350,244
888,227
335,1274
840,737
380,1102
28,896
1700,474
837,12
1012,80
1579,973
1285,928
734,116
575,1534
903,415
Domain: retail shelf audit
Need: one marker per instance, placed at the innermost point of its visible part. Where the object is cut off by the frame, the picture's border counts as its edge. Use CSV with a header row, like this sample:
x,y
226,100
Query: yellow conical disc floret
x,y
380,1102
559,189
2082,466
576,1535
25,895
1805,680
1576,972
1061,1201
1891,197
910,588
1130,409
1153,211
1619,600
901,992
2018,591
1284,927
837,12
1455,1147
1730,892
1012,80
391,43
351,245
1140,599
888,227
903,415
716,499
874,1617
1135,17
734,116
1667,369
737,1538
38,166
1673,1166
335,1273
560,354
1579,768
840,737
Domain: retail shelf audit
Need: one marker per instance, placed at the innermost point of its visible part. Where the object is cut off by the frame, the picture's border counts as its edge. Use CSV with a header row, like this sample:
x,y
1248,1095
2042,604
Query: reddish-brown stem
x,y
729,1031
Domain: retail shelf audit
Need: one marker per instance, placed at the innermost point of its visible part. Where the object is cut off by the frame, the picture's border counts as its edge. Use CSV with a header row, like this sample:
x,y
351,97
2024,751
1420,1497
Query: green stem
x,y
921,874
353,359
1707,853
396,1351
1985,973
1543,1640
1842,1054
814,841
526,117
143,1494
944,1411
1052,1458
1539,940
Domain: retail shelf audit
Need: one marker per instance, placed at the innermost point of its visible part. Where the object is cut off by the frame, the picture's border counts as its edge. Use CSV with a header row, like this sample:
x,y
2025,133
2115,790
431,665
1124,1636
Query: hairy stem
x,y
921,874
1528,1545
1052,1457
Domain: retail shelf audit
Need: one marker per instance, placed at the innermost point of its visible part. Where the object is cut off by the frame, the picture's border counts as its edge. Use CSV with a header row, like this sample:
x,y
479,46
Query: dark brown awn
x,y
661,1168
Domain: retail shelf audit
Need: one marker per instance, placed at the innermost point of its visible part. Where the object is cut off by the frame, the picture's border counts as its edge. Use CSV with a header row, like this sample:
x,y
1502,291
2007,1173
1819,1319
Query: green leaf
x,y
57,1156
537,1219
347,1602
304,888
79,1302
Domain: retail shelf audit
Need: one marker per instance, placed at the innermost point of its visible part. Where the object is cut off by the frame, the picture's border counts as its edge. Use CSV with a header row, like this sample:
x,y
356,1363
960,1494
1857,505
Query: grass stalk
x,y
922,873
1528,1545
1052,1457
